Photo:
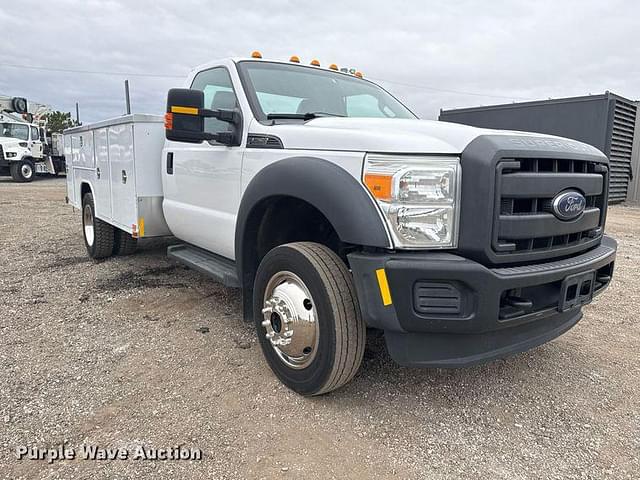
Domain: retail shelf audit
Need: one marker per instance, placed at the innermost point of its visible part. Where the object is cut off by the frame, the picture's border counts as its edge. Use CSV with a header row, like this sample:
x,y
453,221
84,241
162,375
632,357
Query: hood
x,y
372,135
382,135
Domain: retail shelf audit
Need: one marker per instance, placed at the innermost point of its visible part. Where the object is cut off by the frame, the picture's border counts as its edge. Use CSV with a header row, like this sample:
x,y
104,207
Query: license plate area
x,y
576,290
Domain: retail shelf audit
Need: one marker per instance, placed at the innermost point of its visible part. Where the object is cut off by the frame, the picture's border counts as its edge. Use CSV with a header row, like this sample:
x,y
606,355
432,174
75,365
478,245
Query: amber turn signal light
x,y
379,185
168,121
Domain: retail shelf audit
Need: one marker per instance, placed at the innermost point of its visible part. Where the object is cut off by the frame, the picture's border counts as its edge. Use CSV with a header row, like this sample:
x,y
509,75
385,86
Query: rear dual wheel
x,y
101,239
123,243
308,318
98,235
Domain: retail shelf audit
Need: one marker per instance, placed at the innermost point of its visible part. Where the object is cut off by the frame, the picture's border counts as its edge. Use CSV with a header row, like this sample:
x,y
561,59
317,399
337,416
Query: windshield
x,y
14,130
278,89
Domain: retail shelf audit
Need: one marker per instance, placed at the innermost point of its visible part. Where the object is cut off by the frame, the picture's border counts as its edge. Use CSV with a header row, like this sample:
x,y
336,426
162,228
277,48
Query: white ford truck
x,y
335,209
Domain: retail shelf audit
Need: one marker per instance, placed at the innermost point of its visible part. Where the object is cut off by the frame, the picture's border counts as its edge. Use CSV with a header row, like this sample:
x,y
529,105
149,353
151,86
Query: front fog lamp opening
x,y
419,198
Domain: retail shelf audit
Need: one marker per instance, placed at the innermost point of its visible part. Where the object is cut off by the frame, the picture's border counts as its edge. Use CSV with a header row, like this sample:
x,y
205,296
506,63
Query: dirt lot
x,y
112,354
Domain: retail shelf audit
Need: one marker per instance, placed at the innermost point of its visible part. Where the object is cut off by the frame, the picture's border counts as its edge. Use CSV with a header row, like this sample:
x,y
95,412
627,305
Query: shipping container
x,y
607,121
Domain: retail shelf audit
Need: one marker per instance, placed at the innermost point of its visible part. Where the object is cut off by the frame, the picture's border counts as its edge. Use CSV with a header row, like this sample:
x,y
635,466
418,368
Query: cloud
x,y
468,52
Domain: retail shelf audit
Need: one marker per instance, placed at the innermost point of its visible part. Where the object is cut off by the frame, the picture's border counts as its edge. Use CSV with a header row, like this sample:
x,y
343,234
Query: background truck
x,y
335,209
26,147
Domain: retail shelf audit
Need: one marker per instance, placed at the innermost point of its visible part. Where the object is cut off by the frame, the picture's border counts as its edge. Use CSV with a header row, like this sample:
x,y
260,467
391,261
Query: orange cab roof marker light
x,y
358,74
315,63
333,66
256,54
294,59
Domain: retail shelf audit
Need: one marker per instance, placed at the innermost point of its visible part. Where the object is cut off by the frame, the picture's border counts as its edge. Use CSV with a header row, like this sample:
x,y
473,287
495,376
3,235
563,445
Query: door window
x,y
218,94
35,135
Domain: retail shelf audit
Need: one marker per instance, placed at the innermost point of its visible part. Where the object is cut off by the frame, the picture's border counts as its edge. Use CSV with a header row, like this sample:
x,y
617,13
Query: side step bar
x,y
219,268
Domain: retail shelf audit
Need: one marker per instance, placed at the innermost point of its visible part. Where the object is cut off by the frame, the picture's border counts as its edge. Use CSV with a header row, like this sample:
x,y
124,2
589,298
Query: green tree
x,y
58,121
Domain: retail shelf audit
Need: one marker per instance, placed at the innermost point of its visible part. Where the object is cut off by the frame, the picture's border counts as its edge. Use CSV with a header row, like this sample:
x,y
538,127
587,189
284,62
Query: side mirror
x,y
184,120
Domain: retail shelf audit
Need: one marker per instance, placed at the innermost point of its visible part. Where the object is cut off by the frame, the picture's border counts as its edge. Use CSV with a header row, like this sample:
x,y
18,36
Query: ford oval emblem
x,y
568,205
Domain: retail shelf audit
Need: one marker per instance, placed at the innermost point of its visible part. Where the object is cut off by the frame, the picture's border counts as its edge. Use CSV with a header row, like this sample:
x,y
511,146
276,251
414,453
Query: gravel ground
x,y
114,354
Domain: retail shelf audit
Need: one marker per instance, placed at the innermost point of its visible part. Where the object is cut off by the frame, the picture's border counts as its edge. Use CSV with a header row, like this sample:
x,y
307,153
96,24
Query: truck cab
x,y
20,148
336,210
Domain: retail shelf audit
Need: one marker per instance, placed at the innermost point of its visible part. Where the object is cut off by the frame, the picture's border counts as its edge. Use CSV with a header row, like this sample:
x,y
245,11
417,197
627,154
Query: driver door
x,y
202,181
35,144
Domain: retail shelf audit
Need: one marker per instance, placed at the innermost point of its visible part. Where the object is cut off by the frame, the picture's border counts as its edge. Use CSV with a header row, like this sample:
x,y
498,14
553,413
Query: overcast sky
x,y
431,54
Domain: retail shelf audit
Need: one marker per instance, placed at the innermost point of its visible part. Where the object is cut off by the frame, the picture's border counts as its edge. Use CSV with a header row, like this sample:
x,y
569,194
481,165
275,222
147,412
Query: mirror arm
x,y
226,138
229,116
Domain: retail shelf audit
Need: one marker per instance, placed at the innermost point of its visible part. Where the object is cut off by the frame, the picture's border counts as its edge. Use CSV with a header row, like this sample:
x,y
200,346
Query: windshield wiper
x,y
301,116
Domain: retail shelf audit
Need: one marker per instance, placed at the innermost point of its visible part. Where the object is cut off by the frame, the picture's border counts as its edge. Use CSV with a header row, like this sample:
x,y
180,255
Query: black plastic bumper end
x,y
446,350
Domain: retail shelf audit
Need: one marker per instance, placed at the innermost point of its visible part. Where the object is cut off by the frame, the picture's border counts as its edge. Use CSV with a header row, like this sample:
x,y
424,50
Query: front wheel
x,y
23,171
308,318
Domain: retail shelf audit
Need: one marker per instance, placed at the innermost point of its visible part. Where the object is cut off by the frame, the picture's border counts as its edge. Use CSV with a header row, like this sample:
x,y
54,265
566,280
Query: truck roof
x,y
221,61
9,120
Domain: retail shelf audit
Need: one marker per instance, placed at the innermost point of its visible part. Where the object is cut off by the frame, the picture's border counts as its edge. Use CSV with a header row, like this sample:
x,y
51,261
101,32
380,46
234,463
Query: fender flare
x,y
340,197
328,187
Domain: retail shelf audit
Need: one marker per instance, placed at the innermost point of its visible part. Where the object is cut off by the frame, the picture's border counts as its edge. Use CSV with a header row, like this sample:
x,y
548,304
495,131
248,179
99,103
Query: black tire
x,y
342,332
101,246
123,243
23,171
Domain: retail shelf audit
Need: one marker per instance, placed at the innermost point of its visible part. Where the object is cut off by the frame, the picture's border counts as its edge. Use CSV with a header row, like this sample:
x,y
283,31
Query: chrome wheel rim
x,y
290,320
87,217
26,170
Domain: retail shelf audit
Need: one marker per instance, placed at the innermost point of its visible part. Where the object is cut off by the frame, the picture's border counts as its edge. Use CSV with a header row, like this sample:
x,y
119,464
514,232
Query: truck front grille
x,y
524,222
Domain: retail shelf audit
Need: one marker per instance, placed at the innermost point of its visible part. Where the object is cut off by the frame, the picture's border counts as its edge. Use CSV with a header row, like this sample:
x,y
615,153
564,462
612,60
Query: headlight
x,y
11,154
419,197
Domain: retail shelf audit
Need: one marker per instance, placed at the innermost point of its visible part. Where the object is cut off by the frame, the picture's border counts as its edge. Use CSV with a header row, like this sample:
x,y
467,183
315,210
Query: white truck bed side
x,y
118,160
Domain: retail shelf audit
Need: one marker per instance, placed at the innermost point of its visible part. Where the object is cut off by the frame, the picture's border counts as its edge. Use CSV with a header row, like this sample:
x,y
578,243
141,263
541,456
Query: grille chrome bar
x,y
517,227
536,185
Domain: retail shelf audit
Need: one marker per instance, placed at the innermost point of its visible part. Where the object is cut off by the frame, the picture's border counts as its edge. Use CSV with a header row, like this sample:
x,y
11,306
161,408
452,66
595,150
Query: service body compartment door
x,y
102,185
71,194
123,183
81,172
86,154
84,165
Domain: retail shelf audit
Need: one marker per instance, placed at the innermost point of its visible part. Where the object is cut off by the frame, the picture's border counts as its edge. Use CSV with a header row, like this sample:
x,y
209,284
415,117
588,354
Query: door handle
x,y
98,172
170,163
124,176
